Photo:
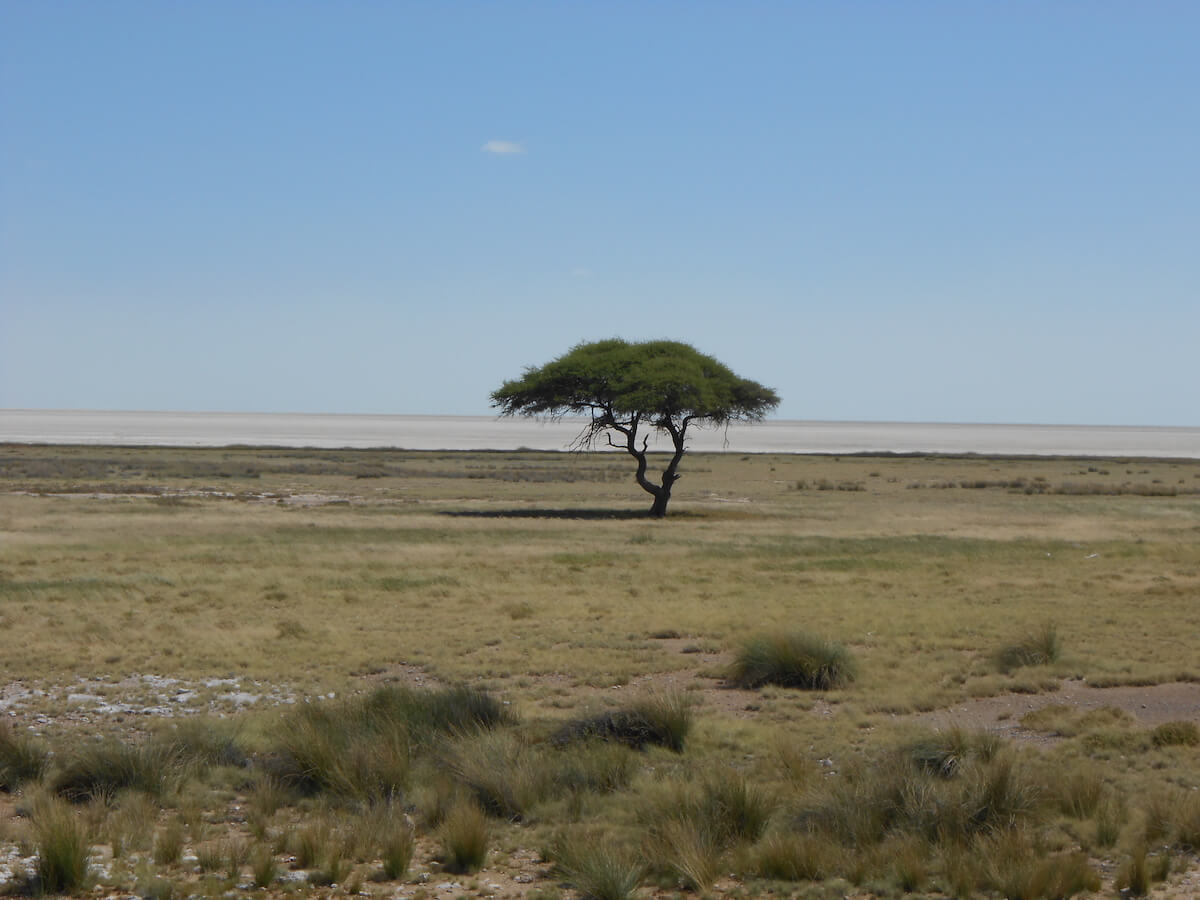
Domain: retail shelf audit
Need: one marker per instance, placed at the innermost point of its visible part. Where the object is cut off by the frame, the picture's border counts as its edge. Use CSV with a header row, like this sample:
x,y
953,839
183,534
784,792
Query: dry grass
x,y
283,575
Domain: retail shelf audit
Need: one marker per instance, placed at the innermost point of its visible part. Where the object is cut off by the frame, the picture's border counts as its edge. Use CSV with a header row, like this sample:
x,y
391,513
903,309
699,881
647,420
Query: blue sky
x,y
958,211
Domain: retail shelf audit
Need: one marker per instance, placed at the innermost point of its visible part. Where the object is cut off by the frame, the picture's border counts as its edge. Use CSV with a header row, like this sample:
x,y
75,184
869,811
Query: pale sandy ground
x,y
492,433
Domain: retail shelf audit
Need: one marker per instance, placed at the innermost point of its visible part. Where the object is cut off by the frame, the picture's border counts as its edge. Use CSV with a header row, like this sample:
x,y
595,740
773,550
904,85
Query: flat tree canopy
x,y
629,389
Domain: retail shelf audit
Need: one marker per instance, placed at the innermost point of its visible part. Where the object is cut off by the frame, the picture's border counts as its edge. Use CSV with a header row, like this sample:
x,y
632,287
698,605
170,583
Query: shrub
x,y
21,759
663,720
62,849
792,660
598,868
1038,648
464,837
1176,734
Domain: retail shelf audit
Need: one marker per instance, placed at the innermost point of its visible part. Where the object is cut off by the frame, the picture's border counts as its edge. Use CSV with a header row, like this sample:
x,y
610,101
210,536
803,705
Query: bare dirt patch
x,y
1150,705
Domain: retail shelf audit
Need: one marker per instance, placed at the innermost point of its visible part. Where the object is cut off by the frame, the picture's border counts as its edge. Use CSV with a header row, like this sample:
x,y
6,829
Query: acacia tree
x,y
629,390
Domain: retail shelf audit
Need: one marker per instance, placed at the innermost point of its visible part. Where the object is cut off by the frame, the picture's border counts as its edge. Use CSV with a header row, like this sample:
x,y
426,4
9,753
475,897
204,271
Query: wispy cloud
x,y
503,147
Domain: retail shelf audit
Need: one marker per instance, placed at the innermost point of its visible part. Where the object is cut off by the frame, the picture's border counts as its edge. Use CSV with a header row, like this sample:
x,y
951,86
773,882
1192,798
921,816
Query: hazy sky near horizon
x,y
919,211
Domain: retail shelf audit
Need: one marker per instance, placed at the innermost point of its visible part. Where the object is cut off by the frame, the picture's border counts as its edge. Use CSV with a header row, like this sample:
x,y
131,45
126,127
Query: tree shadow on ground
x,y
578,513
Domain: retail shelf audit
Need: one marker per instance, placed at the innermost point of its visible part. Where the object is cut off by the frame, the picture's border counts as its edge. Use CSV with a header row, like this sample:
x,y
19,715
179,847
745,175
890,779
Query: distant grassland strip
x,y
517,583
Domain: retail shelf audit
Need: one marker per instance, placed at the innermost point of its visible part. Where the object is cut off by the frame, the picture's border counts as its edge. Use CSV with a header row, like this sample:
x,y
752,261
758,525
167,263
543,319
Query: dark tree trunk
x,y
660,492
659,508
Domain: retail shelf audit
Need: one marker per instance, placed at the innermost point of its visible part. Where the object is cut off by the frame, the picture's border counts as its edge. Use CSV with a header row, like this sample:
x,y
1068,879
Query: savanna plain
x,y
267,672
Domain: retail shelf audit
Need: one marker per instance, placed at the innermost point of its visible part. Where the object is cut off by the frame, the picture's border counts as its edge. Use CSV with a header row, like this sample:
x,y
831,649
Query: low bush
x,y
795,660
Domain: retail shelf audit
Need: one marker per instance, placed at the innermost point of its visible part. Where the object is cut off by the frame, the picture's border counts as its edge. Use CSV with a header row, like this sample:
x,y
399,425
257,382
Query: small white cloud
x,y
502,147
582,272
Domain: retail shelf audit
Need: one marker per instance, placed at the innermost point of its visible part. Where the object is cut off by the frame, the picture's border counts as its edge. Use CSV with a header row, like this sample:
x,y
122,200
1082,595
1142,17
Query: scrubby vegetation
x,y
290,671
792,659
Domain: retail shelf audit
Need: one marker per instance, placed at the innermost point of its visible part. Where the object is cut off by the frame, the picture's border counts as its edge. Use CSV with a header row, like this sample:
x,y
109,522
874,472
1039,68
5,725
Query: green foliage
x,y
793,659
651,379
622,387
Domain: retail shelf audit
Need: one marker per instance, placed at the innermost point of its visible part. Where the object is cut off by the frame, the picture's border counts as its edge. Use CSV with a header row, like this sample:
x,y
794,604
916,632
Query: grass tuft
x,y
1176,734
663,720
795,660
102,769
598,868
22,759
464,836
1037,648
796,857
506,776
168,844
62,845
